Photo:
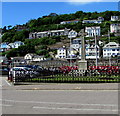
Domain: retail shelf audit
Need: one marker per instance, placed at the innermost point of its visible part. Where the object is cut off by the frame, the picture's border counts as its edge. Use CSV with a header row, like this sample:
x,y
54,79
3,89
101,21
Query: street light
x,y
71,34
109,48
94,30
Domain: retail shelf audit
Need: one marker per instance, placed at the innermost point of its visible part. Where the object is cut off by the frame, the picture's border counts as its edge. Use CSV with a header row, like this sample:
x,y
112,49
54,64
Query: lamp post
x,y
71,34
94,30
109,48
96,47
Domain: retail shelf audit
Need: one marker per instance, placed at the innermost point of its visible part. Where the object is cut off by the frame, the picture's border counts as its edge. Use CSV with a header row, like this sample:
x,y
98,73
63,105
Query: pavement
x,y
54,86
59,86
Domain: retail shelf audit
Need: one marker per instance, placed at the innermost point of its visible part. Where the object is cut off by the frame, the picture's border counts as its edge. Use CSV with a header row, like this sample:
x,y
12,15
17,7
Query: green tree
x,y
20,35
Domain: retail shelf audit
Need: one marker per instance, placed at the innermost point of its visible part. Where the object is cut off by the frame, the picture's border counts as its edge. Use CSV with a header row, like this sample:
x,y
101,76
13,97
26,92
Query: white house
x,y
61,52
111,49
49,33
34,57
91,51
71,21
4,46
73,53
91,31
0,35
75,44
92,21
100,18
29,56
11,45
115,28
114,18
17,60
18,43
38,58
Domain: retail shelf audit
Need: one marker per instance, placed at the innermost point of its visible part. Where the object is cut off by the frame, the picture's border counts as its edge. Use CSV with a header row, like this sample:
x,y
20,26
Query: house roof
x,y
17,58
37,56
111,45
93,27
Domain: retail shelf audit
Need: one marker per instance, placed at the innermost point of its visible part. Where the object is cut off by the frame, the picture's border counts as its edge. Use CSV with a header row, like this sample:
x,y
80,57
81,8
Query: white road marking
x,y
84,90
59,103
5,105
53,108
8,83
112,107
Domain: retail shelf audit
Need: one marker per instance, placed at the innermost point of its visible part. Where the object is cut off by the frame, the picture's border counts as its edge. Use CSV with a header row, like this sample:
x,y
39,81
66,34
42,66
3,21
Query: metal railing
x,y
57,76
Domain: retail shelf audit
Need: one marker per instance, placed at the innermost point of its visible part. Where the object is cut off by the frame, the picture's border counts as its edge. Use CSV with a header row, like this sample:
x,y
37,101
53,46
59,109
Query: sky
x,y
14,13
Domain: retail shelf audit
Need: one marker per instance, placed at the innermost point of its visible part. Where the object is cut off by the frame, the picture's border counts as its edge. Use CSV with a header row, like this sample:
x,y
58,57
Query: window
x,y
113,49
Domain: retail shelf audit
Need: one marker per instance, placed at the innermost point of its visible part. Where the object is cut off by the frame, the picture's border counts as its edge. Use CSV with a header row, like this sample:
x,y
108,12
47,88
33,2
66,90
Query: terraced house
x,y
49,33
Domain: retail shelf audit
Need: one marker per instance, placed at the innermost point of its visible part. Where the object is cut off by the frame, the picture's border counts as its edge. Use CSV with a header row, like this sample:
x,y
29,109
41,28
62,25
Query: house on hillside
x,y
97,21
92,21
71,21
115,28
76,43
20,27
38,58
62,53
4,47
18,43
52,14
34,57
49,33
11,45
100,19
111,49
29,56
67,53
92,31
18,60
115,18
91,51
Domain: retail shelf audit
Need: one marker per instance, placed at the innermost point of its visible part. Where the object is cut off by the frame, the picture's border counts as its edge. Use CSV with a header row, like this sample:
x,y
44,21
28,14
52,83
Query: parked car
x,y
23,72
4,70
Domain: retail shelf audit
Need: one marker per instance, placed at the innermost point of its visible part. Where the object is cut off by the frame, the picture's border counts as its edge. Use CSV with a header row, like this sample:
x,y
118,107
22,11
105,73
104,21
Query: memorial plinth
x,y
82,65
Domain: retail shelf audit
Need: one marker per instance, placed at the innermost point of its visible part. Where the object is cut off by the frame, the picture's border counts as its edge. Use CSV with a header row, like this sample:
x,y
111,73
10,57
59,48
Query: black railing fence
x,y
58,76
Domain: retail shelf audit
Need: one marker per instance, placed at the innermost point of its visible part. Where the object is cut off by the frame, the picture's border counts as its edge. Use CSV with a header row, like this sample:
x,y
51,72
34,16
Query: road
x,y
17,100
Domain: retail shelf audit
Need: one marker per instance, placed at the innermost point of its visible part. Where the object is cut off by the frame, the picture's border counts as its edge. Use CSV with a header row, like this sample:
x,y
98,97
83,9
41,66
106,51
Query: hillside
x,y
53,22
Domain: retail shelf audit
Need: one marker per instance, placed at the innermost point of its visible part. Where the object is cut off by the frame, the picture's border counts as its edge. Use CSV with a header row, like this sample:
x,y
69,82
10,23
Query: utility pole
x,y
109,48
96,61
96,47
71,34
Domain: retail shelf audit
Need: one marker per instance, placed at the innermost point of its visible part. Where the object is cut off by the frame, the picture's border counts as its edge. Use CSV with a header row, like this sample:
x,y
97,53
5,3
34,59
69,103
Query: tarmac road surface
x,y
35,99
